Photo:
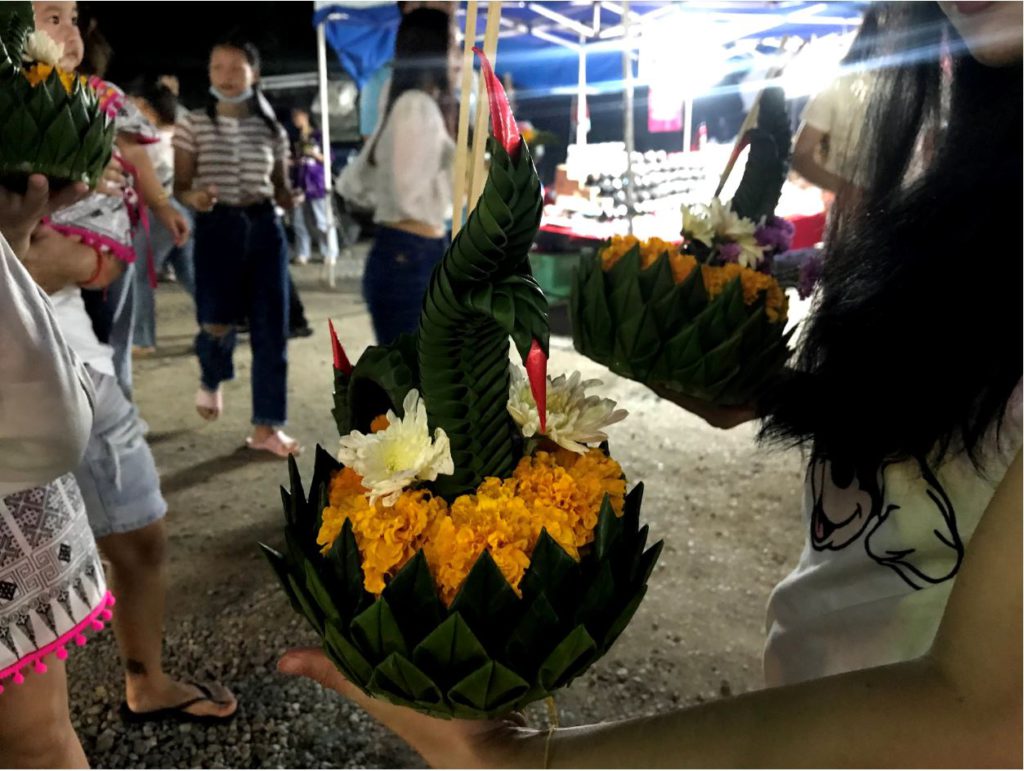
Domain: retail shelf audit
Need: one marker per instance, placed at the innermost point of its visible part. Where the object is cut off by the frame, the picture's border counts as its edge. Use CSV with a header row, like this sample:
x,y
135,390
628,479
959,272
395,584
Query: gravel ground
x,y
727,510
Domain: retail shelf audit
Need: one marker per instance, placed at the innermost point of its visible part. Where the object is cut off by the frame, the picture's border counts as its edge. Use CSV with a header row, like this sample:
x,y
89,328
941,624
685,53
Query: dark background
x,y
154,38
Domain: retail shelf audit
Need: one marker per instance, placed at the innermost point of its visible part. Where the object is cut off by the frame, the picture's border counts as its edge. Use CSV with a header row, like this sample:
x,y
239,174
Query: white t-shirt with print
x,y
883,550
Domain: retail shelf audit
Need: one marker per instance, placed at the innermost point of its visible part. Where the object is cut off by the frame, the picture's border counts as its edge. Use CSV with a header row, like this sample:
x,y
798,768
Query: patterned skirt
x,y
52,586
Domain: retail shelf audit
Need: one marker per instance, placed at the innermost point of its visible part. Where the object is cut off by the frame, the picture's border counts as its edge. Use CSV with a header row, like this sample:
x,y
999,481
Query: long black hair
x,y
864,43
258,104
914,346
421,61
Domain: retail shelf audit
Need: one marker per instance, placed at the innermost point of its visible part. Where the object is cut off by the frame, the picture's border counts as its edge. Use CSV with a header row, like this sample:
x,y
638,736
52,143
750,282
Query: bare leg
x,y
210,404
139,581
35,726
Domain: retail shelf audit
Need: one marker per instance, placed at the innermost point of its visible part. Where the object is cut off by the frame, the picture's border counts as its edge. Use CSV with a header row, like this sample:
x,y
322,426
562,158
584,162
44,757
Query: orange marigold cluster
x,y
39,72
650,250
716,277
754,283
560,492
387,536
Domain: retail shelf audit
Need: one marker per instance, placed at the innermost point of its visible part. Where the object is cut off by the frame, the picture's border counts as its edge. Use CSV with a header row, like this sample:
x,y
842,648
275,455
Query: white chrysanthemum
x,y
391,460
573,418
728,224
697,224
40,47
730,227
751,252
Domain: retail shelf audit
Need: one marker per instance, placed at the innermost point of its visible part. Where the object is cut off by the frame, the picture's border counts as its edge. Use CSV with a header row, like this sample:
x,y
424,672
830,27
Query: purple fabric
x,y
308,173
309,178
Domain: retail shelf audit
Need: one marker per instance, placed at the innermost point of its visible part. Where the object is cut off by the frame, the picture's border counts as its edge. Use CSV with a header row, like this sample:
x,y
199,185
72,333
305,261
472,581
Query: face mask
x,y
245,96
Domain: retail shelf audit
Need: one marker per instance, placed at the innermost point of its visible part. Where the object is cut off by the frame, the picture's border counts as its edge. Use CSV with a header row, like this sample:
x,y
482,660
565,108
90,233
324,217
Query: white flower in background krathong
x,y
573,418
729,227
40,47
697,225
391,460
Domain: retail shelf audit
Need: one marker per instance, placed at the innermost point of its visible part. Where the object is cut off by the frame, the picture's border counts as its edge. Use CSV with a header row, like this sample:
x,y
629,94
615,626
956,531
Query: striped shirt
x,y
236,155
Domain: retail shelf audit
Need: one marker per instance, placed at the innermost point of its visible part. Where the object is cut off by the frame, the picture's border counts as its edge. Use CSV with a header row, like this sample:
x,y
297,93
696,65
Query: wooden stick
x,y
462,142
482,110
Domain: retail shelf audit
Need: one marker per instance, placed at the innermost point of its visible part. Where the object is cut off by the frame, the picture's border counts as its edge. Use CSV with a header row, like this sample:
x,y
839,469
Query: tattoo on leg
x,y
135,667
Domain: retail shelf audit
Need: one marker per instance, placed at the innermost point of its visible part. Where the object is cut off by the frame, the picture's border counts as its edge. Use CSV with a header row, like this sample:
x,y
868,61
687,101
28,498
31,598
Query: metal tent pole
x,y
325,145
581,96
627,118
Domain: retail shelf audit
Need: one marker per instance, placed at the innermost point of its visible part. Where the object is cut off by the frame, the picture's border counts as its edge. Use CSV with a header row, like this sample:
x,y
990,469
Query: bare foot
x,y
274,441
209,404
151,694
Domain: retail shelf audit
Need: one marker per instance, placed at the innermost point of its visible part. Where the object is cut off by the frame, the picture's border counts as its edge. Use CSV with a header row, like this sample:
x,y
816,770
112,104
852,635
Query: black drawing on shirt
x,y
845,499
917,537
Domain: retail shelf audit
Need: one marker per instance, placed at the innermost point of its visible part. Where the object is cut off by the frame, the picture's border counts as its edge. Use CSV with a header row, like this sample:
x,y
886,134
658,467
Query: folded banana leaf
x,y
492,650
642,325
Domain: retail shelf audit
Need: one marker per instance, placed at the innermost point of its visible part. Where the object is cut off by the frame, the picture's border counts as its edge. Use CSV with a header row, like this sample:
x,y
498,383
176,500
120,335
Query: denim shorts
x,y
118,475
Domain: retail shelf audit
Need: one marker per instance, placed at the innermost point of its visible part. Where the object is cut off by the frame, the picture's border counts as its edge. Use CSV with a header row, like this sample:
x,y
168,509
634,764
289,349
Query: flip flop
x,y
278,443
177,713
209,400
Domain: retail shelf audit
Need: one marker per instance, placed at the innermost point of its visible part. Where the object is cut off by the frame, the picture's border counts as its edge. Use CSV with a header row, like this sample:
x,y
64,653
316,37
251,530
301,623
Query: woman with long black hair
x,y
231,161
896,641
410,158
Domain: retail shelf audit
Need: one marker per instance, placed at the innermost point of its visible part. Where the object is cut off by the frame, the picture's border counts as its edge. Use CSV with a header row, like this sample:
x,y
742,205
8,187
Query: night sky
x,y
151,38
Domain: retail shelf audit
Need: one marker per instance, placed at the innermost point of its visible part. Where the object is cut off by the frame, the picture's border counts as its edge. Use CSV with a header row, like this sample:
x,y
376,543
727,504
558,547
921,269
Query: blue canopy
x,y
540,42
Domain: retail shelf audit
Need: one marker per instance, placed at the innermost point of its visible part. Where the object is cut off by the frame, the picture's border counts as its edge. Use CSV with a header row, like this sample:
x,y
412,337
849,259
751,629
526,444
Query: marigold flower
x,y
754,283
653,248
617,249
565,483
494,518
387,536
560,492
37,73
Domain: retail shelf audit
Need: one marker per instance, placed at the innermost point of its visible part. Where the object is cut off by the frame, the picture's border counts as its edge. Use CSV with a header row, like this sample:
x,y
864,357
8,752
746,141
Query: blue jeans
x,y
241,260
326,238
397,273
164,251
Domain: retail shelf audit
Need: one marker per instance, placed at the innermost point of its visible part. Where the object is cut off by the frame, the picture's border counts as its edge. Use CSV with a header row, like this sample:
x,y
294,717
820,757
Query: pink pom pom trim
x,y
58,647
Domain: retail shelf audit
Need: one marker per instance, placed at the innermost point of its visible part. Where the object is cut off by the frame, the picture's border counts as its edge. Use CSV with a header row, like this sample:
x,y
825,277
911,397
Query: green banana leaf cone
x,y
492,651
642,325
48,128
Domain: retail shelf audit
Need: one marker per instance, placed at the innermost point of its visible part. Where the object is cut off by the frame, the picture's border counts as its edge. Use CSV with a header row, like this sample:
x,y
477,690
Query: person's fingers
x,y
37,191
68,195
181,231
313,664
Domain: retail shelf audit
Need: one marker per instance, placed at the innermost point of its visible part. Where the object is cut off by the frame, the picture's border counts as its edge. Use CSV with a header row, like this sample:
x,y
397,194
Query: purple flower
x,y
729,252
776,235
810,274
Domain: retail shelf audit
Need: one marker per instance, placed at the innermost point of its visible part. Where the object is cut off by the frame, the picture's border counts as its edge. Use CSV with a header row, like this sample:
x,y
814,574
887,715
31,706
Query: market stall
x,y
677,51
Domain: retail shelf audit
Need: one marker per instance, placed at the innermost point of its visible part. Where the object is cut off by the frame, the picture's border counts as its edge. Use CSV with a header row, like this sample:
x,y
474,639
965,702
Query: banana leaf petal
x,y
375,632
492,688
568,659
